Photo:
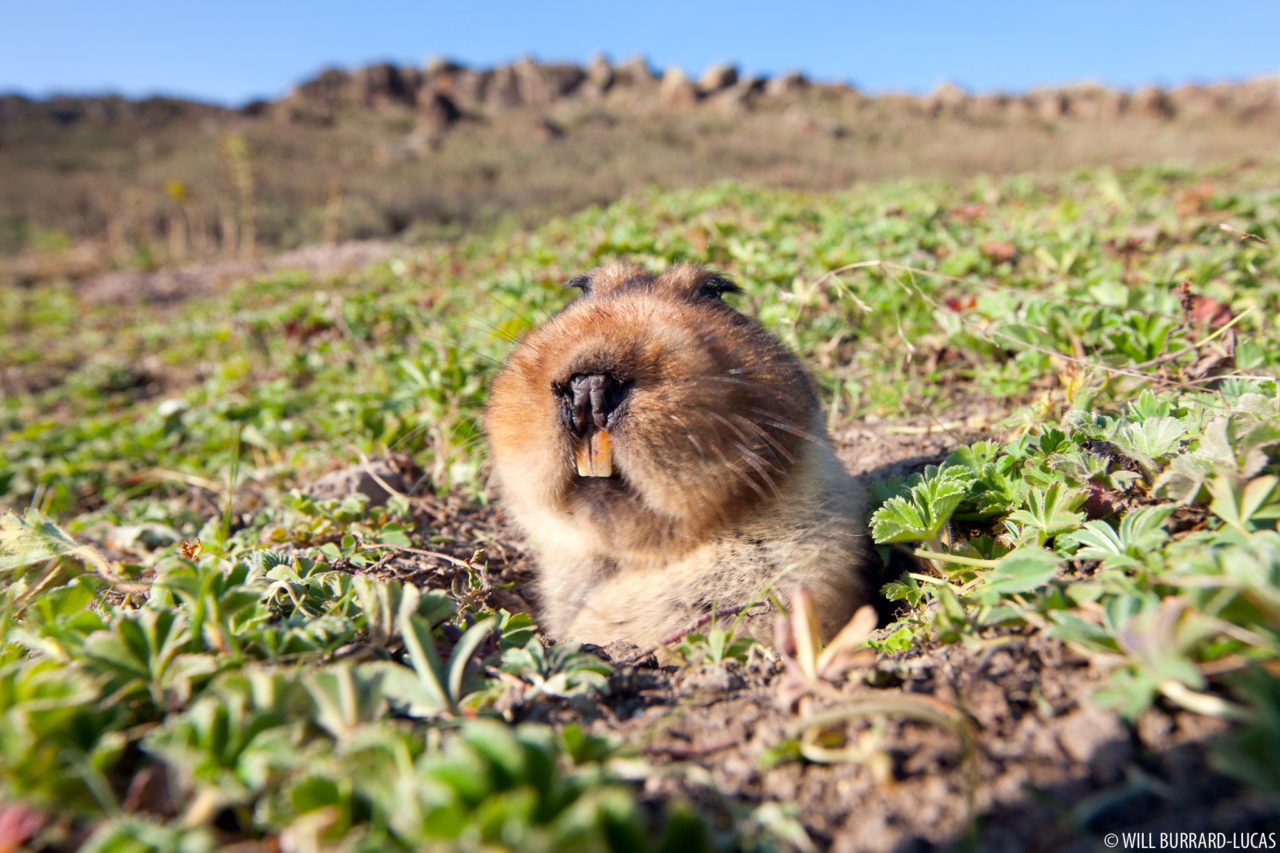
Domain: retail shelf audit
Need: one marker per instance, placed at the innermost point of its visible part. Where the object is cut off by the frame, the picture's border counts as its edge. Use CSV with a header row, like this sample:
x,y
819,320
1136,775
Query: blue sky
x,y
232,51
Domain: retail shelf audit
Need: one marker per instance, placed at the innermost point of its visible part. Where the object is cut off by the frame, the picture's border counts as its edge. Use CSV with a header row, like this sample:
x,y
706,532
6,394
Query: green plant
x,y
714,645
318,664
560,671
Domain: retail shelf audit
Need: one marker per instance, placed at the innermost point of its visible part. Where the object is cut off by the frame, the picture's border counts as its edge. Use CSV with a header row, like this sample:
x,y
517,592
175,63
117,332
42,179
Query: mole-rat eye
x,y
717,286
582,282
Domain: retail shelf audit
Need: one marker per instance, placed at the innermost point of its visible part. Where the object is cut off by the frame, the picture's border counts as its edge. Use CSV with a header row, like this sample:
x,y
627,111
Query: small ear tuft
x,y
582,282
716,286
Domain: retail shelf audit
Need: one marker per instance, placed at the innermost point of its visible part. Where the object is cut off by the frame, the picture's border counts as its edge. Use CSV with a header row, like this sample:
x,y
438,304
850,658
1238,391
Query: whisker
x,y
733,380
732,428
778,422
752,459
491,330
749,448
777,446
749,456
738,474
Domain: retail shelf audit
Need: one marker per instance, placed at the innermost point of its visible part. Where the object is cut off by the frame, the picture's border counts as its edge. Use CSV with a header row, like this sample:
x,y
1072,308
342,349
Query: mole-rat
x,y
668,457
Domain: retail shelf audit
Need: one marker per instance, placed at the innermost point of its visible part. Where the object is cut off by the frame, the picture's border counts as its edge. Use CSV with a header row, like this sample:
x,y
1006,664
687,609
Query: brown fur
x,y
724,484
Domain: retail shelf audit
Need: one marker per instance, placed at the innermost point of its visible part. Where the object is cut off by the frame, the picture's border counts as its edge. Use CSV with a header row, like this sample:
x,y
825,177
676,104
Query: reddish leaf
x,y
968,212
18,822
1207,311
999,250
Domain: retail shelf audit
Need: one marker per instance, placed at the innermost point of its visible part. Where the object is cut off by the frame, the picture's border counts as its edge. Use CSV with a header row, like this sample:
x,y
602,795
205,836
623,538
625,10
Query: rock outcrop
x,y
443,91
677,90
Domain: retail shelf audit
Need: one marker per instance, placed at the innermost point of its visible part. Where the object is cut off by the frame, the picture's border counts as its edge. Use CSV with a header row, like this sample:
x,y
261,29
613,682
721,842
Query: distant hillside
x,y
444,89
88,183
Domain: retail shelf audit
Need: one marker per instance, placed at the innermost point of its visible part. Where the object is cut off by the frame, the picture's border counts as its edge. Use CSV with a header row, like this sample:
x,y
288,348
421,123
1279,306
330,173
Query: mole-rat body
x,y
668,457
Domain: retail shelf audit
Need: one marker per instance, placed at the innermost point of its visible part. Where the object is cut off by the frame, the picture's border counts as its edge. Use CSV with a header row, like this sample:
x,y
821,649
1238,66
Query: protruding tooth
x,y
602,453
595,455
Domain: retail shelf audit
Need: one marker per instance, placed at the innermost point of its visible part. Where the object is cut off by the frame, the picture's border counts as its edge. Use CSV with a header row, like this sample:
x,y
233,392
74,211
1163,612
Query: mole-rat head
x,y
648,403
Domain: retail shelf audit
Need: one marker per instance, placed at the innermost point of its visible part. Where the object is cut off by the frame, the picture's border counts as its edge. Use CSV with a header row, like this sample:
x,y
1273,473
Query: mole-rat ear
x,y
582,282
717,285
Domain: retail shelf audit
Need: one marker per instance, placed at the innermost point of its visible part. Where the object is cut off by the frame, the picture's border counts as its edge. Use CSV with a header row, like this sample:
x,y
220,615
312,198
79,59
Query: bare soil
x,y
202,278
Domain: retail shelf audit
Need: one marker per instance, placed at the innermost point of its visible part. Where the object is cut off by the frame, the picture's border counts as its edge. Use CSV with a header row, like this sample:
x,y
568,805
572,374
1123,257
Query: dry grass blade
x,y
841,651
925,709
805,632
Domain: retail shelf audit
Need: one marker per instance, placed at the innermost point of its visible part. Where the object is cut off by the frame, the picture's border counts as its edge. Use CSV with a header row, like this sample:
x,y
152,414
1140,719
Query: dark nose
x,y
590,400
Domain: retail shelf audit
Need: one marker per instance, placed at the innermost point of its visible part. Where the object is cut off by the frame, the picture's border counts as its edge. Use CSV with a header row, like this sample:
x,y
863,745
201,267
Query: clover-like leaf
x,y
925,511
1140,533
1050,512
1153,439
561,670
1242,504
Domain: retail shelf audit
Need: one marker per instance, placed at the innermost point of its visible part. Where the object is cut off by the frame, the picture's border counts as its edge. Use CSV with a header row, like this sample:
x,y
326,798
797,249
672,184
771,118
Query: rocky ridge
x,y
443,92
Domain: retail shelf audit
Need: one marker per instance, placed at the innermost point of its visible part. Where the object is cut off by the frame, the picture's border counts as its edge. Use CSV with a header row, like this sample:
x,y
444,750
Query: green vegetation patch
x,y
193,652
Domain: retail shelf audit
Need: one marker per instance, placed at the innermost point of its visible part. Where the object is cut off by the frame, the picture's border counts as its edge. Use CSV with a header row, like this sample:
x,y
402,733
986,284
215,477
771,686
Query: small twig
x,y
943,556
916,706
350,650
703,620
1243,235
161,475
1234,663
100,565
380,564
448,558
1167,357
1195,384
685,752
1202,703
366,468
1236,319
1108,368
